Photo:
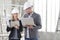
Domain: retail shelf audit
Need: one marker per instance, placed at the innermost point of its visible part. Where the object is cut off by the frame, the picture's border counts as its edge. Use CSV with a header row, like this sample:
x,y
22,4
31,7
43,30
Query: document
x,y
14,23
27,21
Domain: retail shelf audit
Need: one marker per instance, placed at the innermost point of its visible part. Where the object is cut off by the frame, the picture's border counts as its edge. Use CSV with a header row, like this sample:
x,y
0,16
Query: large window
x,y
49,11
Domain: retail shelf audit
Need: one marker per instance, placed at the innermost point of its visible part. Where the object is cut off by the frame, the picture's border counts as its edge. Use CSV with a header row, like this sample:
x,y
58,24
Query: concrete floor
x,y
49,36
42,36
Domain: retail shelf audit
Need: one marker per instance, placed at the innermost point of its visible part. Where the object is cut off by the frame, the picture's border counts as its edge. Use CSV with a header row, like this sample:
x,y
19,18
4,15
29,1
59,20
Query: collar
x,y
30,13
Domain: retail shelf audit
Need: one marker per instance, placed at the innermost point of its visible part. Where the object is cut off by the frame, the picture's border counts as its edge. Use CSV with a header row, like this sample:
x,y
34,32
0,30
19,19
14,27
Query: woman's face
x,y
15,16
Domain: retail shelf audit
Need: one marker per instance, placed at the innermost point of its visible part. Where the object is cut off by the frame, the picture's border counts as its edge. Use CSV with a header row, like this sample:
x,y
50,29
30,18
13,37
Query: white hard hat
x,y
15,10
27,5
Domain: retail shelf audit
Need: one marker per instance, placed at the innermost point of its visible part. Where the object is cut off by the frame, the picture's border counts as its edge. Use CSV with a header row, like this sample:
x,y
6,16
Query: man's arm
x,y
38,22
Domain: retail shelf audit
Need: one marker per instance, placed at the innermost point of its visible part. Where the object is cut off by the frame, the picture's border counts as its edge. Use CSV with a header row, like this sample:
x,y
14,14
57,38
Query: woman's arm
x,y
20,27
8,27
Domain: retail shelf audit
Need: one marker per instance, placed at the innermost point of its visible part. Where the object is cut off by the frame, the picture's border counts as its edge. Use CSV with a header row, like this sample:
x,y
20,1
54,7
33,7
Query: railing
x,y
3,36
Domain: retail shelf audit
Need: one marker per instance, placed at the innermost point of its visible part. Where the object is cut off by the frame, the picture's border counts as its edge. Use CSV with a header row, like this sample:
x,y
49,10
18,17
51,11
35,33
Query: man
x,y
31,32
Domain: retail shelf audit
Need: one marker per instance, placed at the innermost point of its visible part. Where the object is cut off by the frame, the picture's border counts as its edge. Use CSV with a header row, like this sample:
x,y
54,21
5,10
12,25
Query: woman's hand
x,y
17,27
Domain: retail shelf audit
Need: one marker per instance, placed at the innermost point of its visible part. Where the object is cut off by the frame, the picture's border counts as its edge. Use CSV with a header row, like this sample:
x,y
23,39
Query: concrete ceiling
x,y
18,1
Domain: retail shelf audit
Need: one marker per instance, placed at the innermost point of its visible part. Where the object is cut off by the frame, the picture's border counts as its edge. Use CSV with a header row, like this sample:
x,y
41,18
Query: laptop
x,y
27,21
14,23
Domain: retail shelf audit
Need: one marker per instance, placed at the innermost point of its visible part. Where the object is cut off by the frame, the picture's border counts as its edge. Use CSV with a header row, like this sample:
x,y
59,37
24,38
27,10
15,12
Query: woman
x,y
15,33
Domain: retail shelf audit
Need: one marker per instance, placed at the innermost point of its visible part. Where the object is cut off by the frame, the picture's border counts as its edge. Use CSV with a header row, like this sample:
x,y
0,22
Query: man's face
x,y
28,10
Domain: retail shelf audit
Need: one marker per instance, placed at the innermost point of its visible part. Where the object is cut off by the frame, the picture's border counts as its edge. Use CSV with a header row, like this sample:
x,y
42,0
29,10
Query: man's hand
x,y
30,26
